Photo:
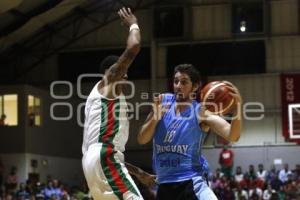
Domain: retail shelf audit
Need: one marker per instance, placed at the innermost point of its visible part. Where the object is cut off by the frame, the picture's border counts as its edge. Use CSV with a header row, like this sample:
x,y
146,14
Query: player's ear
x,y
196,87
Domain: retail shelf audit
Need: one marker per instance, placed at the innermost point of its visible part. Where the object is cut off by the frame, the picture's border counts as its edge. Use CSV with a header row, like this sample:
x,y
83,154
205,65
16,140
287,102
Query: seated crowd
x,y
254,184
257,185
11,189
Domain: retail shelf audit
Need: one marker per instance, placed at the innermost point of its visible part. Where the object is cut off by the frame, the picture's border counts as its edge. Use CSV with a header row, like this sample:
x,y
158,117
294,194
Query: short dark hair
x,y
190,70
107,62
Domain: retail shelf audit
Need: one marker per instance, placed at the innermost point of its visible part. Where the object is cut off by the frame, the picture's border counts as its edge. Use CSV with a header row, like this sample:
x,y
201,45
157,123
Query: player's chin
x,y
180,97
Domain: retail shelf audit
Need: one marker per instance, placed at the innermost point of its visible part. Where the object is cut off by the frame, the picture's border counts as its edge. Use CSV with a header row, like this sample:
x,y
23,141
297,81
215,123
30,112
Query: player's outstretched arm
x,y
147,131
144,177
119,69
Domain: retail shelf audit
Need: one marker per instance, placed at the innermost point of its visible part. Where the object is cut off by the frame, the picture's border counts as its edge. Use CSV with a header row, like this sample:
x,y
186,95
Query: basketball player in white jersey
x,y
106,126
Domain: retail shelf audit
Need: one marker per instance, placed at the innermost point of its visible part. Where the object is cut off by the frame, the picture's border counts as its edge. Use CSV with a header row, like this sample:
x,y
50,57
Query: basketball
x,y
217,98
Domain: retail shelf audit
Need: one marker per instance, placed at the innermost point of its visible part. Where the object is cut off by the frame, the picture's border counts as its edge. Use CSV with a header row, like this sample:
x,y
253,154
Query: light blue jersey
x,y
177,143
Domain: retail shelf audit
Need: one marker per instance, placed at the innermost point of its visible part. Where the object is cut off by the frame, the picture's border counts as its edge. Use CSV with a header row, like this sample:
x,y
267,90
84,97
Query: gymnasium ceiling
x,y
20,19
28,26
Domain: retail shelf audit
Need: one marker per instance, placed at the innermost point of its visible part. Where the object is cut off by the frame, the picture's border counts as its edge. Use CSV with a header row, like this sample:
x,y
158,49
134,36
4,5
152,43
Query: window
x,y
34,111
164,18
226,58
91,59
9,109
247,17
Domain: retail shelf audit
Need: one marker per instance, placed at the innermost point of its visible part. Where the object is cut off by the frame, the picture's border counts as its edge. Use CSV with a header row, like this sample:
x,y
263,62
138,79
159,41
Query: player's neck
x,y
182,106
108,91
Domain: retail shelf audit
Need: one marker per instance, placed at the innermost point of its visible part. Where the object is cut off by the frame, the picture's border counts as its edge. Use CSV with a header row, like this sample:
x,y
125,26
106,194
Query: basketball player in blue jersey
x,y
177,125
106,127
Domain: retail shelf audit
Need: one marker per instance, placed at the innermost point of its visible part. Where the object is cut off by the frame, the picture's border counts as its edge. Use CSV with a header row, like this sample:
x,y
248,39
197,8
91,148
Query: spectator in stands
x,y
268,193
283,174
218,173
296,172
8,196
226,161
22,193
255,193
12,180
228,193
65,193
239,176
290,179
259,183
240,193
2,120
39,191
232,183
281,193
245,183
271,174
261,173
224,182
276,183
291,191
31,197
251,173
30,186
215,183
57,190
49,191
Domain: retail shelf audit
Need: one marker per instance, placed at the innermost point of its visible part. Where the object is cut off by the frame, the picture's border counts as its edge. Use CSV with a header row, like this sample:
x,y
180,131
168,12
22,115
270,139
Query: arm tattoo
x,y
121,67
128,55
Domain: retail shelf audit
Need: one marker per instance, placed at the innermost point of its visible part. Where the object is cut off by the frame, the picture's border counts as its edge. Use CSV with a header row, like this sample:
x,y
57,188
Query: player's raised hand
x,y
157,107
127,17
233,91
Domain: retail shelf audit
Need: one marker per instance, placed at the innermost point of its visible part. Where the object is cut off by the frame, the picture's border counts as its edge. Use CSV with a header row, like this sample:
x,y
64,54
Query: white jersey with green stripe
x,y
106,121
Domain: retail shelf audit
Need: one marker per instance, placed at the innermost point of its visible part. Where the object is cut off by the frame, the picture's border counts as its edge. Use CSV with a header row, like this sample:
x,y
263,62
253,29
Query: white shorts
x,y
106,174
